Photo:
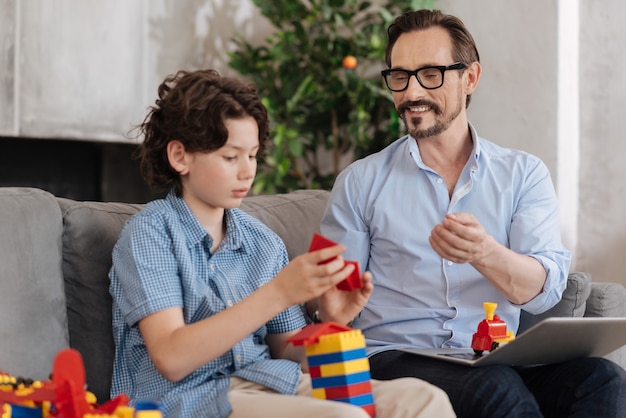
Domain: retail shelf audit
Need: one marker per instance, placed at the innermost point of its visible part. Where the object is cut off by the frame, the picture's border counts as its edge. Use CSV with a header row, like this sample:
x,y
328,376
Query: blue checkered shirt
x,y
162,260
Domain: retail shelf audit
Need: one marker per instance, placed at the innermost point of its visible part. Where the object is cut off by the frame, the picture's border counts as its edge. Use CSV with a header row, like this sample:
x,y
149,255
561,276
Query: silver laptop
x,y
552,340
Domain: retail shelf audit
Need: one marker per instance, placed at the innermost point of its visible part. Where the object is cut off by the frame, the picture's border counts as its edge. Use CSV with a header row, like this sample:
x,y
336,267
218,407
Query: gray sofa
x,y
55,255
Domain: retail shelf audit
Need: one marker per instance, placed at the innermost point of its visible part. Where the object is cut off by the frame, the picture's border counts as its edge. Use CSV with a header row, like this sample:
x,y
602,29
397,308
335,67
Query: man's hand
x,y
460,238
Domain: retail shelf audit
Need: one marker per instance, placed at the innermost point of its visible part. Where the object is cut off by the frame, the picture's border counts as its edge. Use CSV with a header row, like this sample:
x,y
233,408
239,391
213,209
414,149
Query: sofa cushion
x,y
573,303
89,234
31,282
294,216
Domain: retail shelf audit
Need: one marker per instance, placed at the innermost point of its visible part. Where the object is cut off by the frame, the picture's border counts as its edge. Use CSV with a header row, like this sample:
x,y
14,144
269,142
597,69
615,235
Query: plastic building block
x,y
339,341
340,380
343,391
491,331
338,364
311,334
351,282
64,396
344,367
319,359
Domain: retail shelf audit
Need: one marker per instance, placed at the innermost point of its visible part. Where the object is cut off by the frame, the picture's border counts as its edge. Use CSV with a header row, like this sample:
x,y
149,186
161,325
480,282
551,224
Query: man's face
x,y
427,113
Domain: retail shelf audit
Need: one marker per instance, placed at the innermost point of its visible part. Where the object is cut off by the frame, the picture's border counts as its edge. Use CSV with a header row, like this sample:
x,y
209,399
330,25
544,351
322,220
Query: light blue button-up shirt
x,y
163,259
383,209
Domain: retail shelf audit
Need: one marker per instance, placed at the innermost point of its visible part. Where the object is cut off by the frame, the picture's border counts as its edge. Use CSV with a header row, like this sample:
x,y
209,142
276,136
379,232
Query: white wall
x,y
554,85
88,69
602,221
515,104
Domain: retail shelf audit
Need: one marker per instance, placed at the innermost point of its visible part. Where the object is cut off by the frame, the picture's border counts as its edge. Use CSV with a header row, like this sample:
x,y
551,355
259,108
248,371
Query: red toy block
x,y
370,409
354,280
312,333
348,391
318,242
315,371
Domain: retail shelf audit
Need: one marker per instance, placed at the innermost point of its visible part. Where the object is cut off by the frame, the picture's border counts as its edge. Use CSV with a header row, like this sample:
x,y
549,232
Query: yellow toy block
x,y
319,393
340,341
345,367
148,414
124,411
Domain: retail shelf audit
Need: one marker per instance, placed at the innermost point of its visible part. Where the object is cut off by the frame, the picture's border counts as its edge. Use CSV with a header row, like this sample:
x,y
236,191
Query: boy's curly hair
x,y
192,108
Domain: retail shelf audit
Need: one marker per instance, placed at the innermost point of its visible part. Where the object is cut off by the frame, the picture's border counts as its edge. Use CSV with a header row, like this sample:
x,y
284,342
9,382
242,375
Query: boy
x,y
204,298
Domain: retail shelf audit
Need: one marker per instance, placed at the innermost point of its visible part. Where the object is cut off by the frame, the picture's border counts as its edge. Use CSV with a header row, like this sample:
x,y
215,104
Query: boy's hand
x,y
304,278
354,280
342,306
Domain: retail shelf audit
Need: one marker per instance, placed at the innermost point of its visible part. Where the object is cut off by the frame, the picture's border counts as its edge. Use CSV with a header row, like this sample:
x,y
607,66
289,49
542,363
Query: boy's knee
x,y
409,396
345,410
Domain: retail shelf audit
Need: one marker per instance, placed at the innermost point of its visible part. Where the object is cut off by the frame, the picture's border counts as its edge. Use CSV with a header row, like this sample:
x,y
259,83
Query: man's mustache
x,y
404,106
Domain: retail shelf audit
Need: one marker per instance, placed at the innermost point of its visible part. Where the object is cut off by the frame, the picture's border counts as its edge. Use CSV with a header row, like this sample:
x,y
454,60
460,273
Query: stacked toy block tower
x,y
338,364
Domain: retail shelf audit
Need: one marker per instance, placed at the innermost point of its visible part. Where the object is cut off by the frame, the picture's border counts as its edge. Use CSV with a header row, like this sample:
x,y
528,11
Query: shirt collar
x,y
414,149
476,141
196,233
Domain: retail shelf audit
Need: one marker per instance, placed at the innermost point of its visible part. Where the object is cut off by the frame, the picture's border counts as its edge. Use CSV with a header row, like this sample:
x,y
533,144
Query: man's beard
x,y
434,130
440,126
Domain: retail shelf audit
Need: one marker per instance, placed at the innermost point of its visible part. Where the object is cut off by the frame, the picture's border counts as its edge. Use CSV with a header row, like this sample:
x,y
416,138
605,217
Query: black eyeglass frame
x,y
441,68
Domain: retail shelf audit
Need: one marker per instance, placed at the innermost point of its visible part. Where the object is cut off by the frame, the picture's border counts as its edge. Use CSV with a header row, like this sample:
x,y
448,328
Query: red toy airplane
x,y
62,396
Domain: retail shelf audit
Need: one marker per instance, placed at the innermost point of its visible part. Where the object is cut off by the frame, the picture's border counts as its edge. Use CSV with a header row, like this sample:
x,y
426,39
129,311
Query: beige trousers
x,y
398,398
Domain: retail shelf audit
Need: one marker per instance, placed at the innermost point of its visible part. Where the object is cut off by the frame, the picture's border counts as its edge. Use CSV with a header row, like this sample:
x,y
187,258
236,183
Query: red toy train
x,y
491,331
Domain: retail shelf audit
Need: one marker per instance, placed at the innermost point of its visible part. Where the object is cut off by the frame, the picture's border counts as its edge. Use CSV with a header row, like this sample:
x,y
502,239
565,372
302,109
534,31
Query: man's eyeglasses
x,y
429,77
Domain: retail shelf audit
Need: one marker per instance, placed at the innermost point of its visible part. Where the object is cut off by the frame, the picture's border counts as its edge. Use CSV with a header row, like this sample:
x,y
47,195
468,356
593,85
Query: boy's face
x,y
222,178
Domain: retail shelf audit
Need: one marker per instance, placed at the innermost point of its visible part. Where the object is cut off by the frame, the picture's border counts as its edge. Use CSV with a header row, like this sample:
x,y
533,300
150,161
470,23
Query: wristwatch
x,y
316,317
311,318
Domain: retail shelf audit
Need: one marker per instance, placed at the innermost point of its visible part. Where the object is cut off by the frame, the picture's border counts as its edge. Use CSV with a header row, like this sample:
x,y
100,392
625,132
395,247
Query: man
x,y
446,220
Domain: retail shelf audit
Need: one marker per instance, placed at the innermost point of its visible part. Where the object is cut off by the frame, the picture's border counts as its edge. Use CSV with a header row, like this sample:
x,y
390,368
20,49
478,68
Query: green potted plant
x,y
319,76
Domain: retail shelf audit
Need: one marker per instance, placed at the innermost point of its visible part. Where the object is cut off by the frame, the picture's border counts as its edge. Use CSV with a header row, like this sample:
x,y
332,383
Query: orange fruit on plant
x,y
349,62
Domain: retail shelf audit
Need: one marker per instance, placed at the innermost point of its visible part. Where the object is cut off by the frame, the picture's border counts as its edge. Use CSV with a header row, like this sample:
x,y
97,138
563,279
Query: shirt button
x,y
238,357
229,303
212,267
439,180
450,263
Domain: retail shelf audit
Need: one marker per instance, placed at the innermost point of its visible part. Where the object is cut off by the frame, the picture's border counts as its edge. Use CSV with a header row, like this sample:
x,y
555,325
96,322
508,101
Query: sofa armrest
x,y
606,299
33,327
573,302
609,300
